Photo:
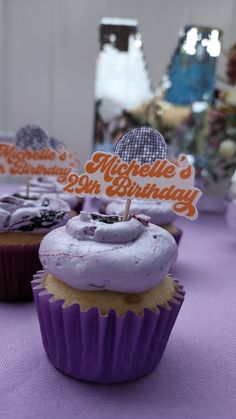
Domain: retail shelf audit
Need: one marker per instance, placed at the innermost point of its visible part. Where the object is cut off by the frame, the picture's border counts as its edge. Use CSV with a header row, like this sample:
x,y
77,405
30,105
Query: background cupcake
x,y
23,224
160,213
49,185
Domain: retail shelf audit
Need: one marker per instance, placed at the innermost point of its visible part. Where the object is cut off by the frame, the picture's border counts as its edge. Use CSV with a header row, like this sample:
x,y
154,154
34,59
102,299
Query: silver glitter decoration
x,y
143,144
33,137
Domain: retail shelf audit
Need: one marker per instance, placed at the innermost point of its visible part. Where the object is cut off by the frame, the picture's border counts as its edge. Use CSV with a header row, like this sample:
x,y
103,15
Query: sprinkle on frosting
x,y
108,219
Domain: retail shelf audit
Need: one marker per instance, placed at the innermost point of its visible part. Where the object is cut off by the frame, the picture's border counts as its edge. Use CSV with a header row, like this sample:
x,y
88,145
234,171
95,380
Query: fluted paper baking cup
x,y
18,263
103,348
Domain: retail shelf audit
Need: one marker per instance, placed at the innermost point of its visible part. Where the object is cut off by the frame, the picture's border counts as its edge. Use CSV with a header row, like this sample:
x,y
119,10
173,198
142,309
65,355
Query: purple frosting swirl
x,y
95,252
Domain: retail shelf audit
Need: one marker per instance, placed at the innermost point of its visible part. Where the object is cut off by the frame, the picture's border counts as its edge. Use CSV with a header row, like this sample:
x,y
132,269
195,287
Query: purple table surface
x,y
196,377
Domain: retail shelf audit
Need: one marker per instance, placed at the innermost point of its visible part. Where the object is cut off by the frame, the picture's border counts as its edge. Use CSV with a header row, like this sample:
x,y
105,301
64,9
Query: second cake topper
x,y
34,138
35,154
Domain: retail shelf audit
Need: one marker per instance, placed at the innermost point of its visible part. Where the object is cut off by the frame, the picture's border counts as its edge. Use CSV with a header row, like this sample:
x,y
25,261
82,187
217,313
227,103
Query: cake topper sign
x,y
139,169
32,155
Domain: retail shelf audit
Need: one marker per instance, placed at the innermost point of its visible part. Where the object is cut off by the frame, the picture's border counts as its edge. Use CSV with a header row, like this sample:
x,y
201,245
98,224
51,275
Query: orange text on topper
x,y
162,180
44,162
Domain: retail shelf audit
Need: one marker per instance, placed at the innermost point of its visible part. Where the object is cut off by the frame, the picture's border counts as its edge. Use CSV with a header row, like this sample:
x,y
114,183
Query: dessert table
x,y
196,377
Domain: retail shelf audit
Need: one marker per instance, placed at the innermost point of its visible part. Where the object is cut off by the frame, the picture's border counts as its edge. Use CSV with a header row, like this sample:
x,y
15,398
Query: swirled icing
x,y
92,253
48,185
160,213
38,216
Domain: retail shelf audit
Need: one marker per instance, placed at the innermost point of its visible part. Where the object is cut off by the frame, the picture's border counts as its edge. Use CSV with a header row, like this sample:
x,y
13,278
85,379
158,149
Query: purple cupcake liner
x,y
103,349
18,263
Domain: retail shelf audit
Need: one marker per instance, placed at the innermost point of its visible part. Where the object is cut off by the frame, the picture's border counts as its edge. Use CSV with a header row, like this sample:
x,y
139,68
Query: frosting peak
x,y
104,228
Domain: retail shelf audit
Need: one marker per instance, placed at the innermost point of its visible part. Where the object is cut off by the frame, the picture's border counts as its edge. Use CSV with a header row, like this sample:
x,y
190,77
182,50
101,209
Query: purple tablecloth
x,y
196,377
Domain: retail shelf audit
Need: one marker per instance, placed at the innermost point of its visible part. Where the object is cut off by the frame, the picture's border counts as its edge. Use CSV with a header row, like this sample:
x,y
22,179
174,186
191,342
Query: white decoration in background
x,y
109,109
122,77
214,45
118,21
191,41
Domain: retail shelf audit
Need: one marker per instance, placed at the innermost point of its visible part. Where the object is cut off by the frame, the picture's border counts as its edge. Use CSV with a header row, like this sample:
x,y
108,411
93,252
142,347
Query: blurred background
x,y
88,70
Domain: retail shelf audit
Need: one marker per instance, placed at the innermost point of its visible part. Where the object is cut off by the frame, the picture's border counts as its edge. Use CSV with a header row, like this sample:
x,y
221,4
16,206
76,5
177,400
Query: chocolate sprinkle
x,y
107,219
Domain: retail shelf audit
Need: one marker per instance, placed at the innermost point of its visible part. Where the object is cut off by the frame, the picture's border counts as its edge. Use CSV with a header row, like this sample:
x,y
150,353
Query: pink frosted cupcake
x,y
160,213
23,224
105,302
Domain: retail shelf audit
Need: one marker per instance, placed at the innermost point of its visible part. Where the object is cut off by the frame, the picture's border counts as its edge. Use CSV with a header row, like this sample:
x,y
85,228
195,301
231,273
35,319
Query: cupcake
x,y
105,302
49,185
23,224
160,213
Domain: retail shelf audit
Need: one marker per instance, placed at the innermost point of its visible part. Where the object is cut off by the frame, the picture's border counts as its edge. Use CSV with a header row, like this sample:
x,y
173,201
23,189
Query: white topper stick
x,y
126,210
27,186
